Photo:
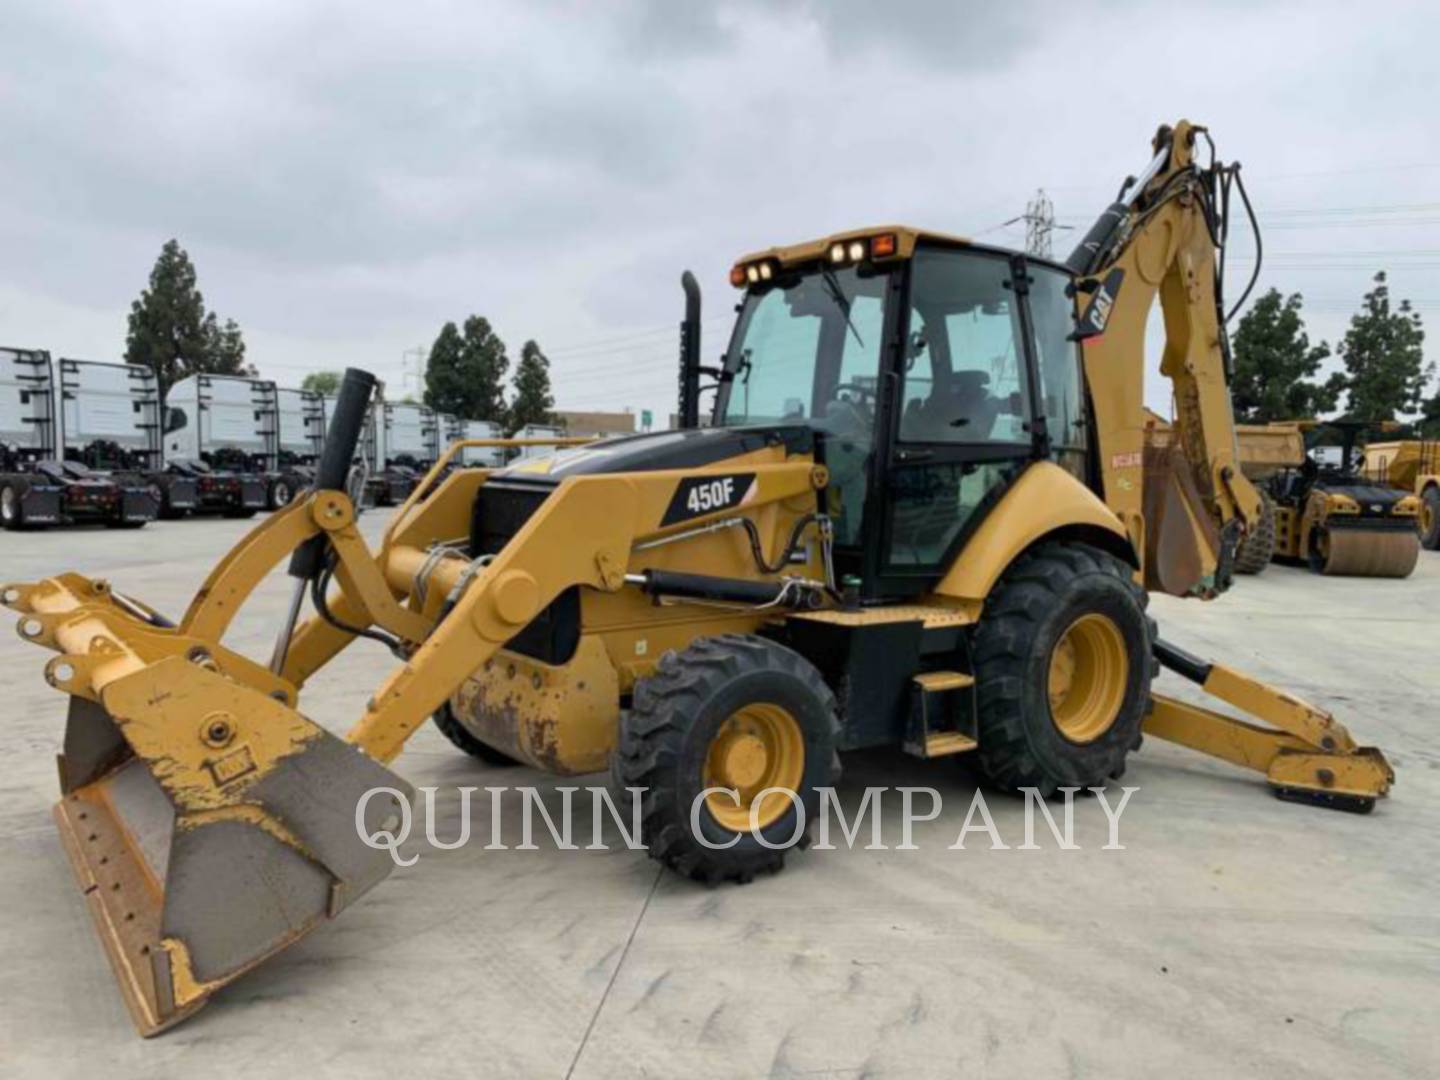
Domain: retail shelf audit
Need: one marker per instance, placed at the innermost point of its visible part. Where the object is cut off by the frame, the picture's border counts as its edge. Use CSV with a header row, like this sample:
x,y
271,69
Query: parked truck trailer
x,y
110,416
408,443
38,487
301,435
224,431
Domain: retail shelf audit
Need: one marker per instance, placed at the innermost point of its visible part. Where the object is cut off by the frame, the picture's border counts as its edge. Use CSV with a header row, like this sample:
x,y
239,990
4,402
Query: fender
x,y
1045,500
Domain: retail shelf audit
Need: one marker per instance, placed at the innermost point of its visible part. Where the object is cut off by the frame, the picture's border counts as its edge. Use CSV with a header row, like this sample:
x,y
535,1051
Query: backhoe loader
x,y
920,517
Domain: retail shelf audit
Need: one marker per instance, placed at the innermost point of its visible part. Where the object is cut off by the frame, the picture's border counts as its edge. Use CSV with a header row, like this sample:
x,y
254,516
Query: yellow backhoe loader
x,y
921,517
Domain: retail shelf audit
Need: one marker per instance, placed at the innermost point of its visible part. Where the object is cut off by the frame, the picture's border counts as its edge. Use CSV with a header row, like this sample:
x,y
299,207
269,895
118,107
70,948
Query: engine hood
x,y
691,449
1373,498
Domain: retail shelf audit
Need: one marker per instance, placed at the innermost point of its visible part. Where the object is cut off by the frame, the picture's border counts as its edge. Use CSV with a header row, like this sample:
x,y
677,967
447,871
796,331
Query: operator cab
x,y
932,372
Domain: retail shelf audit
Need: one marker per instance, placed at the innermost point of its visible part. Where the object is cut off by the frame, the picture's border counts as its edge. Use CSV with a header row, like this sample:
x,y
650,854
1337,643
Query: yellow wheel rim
x,y
1089,669
1427,518
757,747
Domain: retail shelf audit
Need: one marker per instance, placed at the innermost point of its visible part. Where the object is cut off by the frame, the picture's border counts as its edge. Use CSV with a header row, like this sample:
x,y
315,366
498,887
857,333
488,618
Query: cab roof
x,y
906,237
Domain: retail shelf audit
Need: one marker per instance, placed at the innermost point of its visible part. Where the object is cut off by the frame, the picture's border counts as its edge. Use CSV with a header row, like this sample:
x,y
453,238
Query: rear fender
x,y
1046,502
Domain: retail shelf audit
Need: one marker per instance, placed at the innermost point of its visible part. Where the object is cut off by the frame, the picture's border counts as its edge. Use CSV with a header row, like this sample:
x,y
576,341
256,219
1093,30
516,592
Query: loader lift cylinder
x,y
341,440
336,455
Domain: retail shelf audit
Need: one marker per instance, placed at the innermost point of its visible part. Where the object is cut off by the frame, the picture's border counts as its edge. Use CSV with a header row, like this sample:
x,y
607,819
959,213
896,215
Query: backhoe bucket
x,y
1178,531
209,824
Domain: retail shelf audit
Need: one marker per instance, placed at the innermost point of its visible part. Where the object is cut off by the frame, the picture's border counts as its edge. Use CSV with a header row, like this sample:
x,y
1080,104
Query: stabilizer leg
x,y
1305,753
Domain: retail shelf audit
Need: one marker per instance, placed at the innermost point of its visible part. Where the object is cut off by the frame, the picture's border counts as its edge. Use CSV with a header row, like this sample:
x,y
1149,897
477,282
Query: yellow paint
x,y
758,748
1089,670
1044,499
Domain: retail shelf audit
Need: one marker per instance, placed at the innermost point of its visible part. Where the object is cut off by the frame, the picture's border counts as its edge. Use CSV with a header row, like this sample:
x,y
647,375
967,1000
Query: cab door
x,y
965,423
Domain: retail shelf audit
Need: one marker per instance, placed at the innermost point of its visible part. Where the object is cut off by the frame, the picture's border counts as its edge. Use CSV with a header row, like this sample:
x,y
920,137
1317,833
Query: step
x,y
941,743
935,682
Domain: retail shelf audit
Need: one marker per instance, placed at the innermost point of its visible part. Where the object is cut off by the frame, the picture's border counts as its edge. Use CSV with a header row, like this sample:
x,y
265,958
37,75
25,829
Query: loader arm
x,y
1188,505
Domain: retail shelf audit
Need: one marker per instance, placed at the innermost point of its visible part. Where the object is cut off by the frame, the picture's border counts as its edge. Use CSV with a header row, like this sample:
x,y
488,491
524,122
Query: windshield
x,y
808,351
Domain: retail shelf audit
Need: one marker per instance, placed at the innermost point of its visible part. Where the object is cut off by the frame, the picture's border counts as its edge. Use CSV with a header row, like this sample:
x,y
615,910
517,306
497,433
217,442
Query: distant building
x,y
596,423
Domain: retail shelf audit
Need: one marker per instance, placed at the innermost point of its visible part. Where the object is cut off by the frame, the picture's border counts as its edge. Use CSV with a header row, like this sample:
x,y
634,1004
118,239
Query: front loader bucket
x,y
210,826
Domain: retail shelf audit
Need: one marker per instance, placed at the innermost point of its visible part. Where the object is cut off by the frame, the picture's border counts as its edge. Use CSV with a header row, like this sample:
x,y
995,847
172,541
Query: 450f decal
x,y
699,495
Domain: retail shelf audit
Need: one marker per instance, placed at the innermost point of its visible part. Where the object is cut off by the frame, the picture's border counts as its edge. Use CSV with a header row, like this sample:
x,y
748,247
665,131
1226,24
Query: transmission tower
x,y
413,363
1039,221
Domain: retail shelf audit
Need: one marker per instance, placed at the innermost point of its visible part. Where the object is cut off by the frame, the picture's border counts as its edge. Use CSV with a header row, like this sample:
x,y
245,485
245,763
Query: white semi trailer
x,y
302,435
38,487
110,418
225,429
407,444
488,457
538,431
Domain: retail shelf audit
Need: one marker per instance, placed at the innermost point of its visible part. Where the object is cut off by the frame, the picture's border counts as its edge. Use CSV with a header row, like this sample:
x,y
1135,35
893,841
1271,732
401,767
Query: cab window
x,y
1052,313
964,365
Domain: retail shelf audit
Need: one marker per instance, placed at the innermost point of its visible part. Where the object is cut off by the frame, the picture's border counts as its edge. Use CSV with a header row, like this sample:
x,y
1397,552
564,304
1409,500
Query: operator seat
x,y
959,410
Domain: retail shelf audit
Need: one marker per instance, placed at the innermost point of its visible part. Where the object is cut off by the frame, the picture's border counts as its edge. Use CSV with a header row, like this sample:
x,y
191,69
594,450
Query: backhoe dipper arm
x,y
1189,507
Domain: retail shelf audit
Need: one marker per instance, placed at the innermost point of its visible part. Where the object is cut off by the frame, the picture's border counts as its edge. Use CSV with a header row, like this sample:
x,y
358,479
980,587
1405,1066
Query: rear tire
x,y
727,711
12,513
1256,550
1063,665
1430,517
449,724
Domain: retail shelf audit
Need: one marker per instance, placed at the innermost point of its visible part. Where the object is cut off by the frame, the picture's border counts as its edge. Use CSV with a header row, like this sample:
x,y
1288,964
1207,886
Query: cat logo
x,y
1102,303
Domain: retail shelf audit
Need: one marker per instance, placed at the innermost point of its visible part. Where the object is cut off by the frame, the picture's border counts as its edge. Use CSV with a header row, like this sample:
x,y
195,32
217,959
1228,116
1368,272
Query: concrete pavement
x,y
1234,933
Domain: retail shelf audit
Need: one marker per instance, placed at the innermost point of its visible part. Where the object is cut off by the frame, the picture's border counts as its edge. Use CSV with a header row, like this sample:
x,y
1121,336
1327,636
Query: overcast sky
x,y
349,176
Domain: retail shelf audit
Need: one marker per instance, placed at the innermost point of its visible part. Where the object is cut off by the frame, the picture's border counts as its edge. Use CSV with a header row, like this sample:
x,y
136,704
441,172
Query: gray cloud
x,y
347,179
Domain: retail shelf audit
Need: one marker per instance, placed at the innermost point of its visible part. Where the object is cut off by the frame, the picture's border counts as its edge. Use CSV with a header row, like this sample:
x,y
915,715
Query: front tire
x,y
737,712
281,494
1430,519
1063,666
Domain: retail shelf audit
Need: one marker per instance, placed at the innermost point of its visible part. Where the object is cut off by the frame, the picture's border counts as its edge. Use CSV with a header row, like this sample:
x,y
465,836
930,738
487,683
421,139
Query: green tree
x,y
322,382
532,402
1430,418
1274,362
225,348
171,332
465,374
1385,370
484,363
445,389
167,330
